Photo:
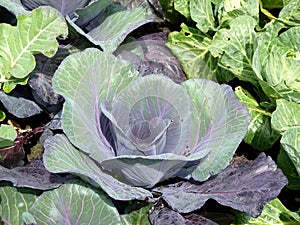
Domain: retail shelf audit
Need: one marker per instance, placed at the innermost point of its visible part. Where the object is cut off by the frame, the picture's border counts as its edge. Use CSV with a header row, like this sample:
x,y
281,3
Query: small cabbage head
x,y
126,132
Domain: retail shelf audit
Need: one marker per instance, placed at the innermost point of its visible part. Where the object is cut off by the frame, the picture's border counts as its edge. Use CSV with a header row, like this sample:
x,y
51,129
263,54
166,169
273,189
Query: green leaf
x,y
183,6
235,47
291,143
289,170
33,34
202,13
273,213
62,157
219,123
274,4
282,75
110,33
2,115
290,14
136,214
77,75
14,6
7,135
15,201
286,115
74,202
231,9
191,47
260,133
286,120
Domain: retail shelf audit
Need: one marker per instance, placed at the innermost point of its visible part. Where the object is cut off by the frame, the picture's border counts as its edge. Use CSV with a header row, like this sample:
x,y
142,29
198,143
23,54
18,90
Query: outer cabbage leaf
x,y
85,79
65,7
14,202
273,213
286,120
290,14
260,133
111,26
62,157
219,123
289,170
202,13
247,187
73,203
18,106
191,47
286,116
276,61
235,47
14,6
149,55
7,135
33,34
282,75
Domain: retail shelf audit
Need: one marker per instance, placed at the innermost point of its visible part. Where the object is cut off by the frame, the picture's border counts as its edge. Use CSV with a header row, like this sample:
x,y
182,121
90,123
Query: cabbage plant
x,y
126,133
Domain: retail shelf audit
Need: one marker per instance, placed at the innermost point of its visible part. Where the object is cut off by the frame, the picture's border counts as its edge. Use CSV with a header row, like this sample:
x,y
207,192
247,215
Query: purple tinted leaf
x,y
219,124
65,7
246,188
161,215
41,79
19,107
34,175
62,157
74,202
149,55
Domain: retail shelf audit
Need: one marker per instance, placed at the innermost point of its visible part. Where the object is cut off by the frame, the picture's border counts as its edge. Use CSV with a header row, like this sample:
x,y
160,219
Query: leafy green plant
x,y
228,42
127,138
19,43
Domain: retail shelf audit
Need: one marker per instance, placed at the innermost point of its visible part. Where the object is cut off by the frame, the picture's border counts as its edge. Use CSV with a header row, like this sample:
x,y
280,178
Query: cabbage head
x,y
126,133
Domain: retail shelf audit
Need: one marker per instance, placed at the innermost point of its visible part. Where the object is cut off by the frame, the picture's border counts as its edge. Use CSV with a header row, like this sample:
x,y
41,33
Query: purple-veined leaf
x,y
62,157
246,188
75,202
219,123
85,79
65,7
33,175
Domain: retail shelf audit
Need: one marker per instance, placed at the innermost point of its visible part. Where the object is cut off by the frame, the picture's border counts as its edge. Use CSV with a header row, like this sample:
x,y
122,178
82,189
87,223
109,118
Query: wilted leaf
x,y
40,79
34,175
149,55
247,188
34,33
74,202
15,201
19,107
260,133
273,213
162,215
